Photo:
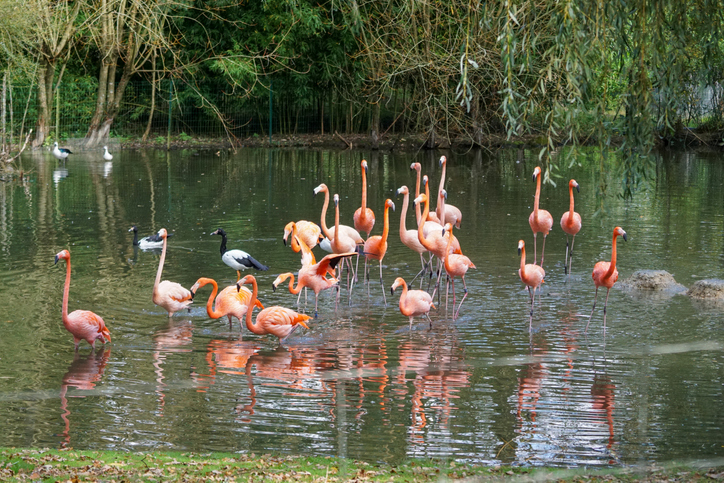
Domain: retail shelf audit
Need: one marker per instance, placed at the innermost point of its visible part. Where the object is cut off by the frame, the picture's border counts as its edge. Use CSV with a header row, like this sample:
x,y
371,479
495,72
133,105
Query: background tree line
x,y
568,71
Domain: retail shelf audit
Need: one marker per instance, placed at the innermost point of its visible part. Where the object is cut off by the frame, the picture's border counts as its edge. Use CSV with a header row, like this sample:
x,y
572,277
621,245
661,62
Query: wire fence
x,y
178,109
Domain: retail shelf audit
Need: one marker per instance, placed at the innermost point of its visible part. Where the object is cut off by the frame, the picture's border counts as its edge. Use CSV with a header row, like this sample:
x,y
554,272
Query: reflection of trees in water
x,y
83,373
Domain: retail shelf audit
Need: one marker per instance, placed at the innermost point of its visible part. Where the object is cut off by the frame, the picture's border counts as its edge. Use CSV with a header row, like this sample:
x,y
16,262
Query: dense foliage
x,y
568,72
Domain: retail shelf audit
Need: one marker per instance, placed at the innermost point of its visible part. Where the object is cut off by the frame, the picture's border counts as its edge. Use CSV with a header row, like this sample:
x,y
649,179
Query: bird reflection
x,y
529,384
59,174
174,338
602,394
83,374
438,378
107,168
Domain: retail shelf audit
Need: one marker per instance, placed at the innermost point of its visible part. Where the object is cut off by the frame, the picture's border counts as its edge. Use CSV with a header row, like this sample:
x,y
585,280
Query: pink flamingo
x,y
277,321
364,218
571,224
456,265
418,213
329,232
605,274
230,302
413,302
376,246
83,324
313,275
531,275
540,221
306,230
169,295
446,213
409,237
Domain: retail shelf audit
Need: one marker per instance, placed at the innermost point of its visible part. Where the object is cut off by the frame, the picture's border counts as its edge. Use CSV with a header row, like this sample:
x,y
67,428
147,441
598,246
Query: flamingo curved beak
x,y
519,250
625,236
274,288
578,188
392,290
238,287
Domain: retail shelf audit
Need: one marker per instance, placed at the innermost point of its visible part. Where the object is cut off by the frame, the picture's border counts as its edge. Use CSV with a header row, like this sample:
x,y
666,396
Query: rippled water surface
x,y
360,383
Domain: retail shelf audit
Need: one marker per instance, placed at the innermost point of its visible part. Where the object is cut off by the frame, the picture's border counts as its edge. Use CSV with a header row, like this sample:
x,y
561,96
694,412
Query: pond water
x,y
359,383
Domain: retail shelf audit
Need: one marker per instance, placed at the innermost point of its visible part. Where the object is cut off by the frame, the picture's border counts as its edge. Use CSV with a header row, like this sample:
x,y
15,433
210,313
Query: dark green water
x,y
359,383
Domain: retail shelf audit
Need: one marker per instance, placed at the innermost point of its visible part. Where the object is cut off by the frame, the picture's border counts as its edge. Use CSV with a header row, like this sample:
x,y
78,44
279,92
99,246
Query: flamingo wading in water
x,y
531,275
456,265
409,237
169,295
413,302
376,246
540,221
605,274
277,321
571,225
446,213
364,217
83,324
229,302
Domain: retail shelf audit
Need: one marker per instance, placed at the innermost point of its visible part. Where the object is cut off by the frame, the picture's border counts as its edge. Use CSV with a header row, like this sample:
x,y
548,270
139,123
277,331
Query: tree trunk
x,y
153,98
46,72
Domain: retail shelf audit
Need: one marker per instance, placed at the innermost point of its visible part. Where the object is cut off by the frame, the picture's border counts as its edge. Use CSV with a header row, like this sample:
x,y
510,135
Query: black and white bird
x,y
237,259
147,242
60,153
106,155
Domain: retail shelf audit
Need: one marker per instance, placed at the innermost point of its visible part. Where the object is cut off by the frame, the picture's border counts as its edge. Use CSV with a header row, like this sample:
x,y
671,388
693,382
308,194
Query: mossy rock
x,y
712,288
652,280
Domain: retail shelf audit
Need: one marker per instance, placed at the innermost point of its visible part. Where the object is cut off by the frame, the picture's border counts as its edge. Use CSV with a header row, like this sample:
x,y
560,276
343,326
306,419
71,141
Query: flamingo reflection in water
x,y
174,338
83,373
439,376
602,394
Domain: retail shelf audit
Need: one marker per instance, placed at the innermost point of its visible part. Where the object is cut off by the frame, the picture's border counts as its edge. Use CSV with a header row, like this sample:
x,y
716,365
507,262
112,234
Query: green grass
x,y
72,465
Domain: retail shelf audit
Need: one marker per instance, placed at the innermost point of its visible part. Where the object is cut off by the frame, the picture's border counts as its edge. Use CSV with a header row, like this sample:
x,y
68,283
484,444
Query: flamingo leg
x,y
608,290
535,247
316,300
411,317
437,283
422,271
382,284
543,251
229,315
465,289
453,290
447,292
565,267
570,259
532,299
594,308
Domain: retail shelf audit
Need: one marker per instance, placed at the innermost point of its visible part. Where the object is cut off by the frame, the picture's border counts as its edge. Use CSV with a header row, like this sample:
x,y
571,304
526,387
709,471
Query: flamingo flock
x,y
433,239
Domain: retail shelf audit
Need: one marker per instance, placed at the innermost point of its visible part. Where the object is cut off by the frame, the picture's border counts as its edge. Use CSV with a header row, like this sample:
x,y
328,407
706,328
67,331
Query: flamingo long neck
x,y
612,266
571,212
210,304
537,198
449,244
254,327
293,290
324,214
336,224
386,228
307,255
418,210
440,210
522,260
66,291
403,214
420,235
160,267
403,295
364,191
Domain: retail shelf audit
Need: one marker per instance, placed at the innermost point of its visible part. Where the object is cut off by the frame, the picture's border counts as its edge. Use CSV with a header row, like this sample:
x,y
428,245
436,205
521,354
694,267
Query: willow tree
x,y
56,29
126,34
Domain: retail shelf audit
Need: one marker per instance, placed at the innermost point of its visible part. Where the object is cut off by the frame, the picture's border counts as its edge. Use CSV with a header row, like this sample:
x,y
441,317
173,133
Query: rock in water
x,y
654,280
712,288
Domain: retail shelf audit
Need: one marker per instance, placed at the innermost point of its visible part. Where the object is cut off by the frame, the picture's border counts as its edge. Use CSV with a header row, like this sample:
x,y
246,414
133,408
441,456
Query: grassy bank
x,y
73,465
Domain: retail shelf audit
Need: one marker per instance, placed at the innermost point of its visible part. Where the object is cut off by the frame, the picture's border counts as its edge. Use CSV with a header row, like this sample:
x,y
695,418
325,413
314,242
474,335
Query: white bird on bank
x,y
60,153
106,155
